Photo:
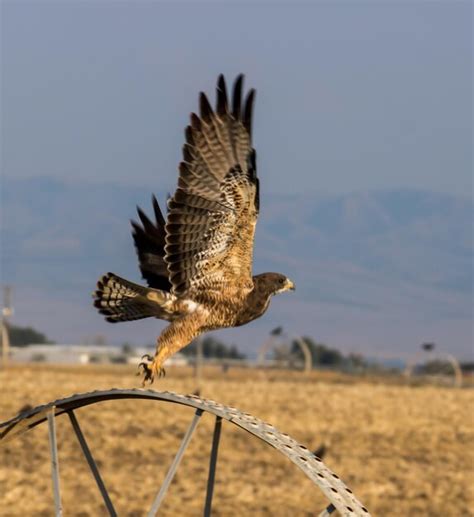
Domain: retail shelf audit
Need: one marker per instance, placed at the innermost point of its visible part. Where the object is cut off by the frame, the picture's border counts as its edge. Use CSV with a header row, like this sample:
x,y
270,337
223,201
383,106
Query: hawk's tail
x,y
120,300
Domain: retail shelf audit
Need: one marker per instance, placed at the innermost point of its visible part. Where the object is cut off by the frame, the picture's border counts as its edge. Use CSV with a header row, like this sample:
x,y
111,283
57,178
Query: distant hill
x,y
391,254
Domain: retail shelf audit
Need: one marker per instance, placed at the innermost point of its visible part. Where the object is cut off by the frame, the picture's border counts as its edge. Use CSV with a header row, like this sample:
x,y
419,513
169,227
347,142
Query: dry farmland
x,y
403,450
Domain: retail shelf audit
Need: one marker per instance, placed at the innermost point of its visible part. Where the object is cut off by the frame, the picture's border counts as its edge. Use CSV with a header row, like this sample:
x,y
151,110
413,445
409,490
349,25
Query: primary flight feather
x,y
198,264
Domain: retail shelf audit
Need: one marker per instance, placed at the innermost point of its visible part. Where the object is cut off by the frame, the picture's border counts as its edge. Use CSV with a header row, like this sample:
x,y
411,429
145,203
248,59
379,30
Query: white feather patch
x,y
191,306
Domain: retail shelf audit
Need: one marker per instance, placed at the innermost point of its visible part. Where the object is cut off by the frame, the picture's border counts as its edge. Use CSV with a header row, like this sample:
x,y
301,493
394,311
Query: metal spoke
x,y
92,463
338,494
174,466
53,448
212,466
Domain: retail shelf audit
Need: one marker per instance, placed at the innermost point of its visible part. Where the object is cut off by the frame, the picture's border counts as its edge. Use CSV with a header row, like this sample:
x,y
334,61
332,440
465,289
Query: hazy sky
x,y
351,95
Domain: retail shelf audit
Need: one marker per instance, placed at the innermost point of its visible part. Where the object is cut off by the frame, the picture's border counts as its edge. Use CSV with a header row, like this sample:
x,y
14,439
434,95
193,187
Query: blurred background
x,y
363,130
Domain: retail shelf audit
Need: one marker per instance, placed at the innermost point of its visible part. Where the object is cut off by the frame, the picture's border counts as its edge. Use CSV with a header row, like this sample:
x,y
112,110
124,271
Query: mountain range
x,y
376,272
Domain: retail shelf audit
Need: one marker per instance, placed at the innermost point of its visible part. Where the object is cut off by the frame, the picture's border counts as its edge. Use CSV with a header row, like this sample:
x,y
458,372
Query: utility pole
x,y
7,311
198,365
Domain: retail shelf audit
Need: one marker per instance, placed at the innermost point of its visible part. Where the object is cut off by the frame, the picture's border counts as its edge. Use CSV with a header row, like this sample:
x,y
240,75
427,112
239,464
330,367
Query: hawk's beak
x,y
290,285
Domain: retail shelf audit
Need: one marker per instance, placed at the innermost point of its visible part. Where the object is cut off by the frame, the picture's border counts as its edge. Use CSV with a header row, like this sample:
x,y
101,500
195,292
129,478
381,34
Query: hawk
x,y
198,263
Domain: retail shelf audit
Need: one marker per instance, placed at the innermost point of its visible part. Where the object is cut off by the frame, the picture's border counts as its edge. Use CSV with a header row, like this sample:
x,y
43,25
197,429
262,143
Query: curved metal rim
x,y
421,358
328,482
272,342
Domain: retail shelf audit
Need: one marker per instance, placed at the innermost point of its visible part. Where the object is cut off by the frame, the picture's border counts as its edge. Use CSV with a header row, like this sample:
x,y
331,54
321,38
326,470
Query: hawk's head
x,y
274,283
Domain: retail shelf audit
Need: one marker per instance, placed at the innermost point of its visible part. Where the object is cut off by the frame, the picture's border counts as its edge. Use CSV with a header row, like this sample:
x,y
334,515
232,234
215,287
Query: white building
x,y
66,354
84,354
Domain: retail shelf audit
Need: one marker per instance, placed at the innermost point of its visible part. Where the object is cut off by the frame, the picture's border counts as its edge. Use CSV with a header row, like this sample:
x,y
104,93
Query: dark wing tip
x,y
248,110
196,122
187,153
143,217
160,220
205,107
136,227
237,97
221,106
188,133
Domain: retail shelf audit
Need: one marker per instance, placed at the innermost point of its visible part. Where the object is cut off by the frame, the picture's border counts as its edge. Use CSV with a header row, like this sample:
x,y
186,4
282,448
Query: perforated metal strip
x,y
329,483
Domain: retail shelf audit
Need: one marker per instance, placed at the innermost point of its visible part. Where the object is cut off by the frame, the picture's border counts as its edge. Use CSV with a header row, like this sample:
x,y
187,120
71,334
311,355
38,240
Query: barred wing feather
x,y
212,215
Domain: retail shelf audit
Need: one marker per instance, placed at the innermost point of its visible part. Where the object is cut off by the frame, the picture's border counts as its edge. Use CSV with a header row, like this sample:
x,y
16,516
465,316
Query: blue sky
x,y
352,97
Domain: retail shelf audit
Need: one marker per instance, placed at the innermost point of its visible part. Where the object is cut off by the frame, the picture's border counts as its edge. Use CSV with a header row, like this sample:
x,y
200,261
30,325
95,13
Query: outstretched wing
x,y
213,213
149,239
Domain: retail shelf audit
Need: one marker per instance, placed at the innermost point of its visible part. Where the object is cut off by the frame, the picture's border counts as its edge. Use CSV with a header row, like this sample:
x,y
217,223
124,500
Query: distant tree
x,y
212,347
22,336
467,367
436,366
235,354
357,360
321,354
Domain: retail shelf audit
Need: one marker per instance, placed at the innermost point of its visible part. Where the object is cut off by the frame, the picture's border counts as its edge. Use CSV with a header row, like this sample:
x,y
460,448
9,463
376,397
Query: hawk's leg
x,y
173,338
151,369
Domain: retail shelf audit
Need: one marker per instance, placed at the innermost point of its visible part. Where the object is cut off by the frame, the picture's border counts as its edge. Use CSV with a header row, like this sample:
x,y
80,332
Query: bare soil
x,y
403,450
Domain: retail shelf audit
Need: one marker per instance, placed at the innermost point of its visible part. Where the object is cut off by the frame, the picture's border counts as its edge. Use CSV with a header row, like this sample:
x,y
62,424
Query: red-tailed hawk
x,y
198,264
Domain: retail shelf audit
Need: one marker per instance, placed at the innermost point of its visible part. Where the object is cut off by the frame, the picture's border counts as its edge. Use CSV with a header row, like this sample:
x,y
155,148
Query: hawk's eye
x,y
282,280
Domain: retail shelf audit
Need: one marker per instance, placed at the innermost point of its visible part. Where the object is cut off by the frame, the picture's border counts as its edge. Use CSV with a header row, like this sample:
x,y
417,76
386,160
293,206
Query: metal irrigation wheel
x,y
448,359
341,498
